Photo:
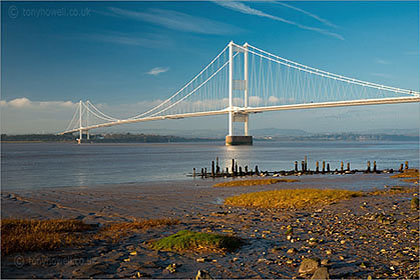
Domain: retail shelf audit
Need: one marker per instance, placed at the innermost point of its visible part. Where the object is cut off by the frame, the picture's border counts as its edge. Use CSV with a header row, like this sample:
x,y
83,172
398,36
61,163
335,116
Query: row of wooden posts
x,y
235,170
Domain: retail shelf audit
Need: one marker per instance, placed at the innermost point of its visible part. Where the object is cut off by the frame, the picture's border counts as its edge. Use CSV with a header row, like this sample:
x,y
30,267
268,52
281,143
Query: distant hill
x,y
260,134
279,132
100,138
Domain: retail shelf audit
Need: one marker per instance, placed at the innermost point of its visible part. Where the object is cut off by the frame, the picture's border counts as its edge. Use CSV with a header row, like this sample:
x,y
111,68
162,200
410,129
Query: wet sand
x,y
365,236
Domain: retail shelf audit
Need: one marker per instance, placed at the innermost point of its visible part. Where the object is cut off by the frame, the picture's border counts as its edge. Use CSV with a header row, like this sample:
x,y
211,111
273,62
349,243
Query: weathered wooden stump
x,y
233,166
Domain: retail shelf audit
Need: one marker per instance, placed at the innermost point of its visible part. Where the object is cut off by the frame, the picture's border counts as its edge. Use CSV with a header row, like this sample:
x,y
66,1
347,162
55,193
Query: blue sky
x,y
128,54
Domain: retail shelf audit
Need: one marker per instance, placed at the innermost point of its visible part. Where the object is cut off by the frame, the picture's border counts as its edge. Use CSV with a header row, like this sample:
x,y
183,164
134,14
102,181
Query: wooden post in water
x,y
306,163
374,166
342,167
257,172
368,166
193,172
212,168
233,166
317,167
406,165
240,171
323,166
236,169
303,166
296,166
202,172
205,172
328,167
227,171
348,166
401,167
246,169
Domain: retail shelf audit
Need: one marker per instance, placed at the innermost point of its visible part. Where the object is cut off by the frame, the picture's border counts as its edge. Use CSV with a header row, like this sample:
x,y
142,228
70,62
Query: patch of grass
x,y
393,190
19,235
186,240
291,198
411,180
409,173
117,230
246,183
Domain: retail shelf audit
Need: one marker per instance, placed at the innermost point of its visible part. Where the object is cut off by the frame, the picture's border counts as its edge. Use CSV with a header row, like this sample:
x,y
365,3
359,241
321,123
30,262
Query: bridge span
x,y
244,80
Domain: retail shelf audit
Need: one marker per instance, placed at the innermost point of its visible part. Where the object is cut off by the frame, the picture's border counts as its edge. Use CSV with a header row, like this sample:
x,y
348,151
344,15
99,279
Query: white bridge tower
x,y
236,115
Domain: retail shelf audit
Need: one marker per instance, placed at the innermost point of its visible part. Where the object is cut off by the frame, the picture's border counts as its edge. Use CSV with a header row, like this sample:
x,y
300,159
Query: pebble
x,y
172,268
142,275
414,203
203,274
325,262
308,265
321,273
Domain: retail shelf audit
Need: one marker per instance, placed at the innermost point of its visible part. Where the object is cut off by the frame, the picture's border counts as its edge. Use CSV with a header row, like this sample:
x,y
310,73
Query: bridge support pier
x,y
238,140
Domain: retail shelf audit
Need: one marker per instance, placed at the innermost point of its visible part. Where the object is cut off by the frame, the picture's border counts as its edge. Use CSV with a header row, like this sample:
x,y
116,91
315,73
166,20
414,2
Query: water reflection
x,y
58,164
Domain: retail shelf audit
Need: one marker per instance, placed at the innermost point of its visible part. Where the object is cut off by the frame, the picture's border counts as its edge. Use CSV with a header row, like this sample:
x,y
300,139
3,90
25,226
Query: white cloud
x,y
177,21
411,52
152,41
242,8
382,61
381,75
25,103
273,99
20,102
324,21
158,70
255,100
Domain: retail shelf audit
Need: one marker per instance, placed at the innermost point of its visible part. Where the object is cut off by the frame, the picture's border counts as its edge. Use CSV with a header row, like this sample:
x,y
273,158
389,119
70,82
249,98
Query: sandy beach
x,y
374,236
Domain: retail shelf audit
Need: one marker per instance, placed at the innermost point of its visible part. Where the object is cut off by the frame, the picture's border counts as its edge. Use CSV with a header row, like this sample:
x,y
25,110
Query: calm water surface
x,y
38,165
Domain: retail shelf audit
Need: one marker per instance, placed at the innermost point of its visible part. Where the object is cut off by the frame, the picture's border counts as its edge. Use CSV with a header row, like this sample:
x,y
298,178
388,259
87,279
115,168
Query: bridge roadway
x,y
251,110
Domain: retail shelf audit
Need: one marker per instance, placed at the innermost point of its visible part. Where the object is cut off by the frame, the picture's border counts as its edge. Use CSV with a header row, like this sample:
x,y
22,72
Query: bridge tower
x,y
238,85
80,139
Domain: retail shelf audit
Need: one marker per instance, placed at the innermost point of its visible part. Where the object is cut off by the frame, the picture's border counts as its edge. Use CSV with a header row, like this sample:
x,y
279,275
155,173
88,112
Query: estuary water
x,y
40,165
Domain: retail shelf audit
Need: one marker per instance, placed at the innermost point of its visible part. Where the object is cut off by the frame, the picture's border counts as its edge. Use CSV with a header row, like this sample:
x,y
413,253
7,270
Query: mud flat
x,y
367,236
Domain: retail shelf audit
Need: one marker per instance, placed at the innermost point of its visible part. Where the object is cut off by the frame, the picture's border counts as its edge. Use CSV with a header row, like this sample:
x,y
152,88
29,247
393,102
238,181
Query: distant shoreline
x,y
147,138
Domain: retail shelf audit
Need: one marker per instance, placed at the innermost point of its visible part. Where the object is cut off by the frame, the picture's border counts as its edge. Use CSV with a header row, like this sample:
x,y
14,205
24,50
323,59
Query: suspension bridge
x,y
243,80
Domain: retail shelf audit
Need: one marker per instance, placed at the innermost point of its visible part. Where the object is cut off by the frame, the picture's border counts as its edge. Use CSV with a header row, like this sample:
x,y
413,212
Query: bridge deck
x,y
250,110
